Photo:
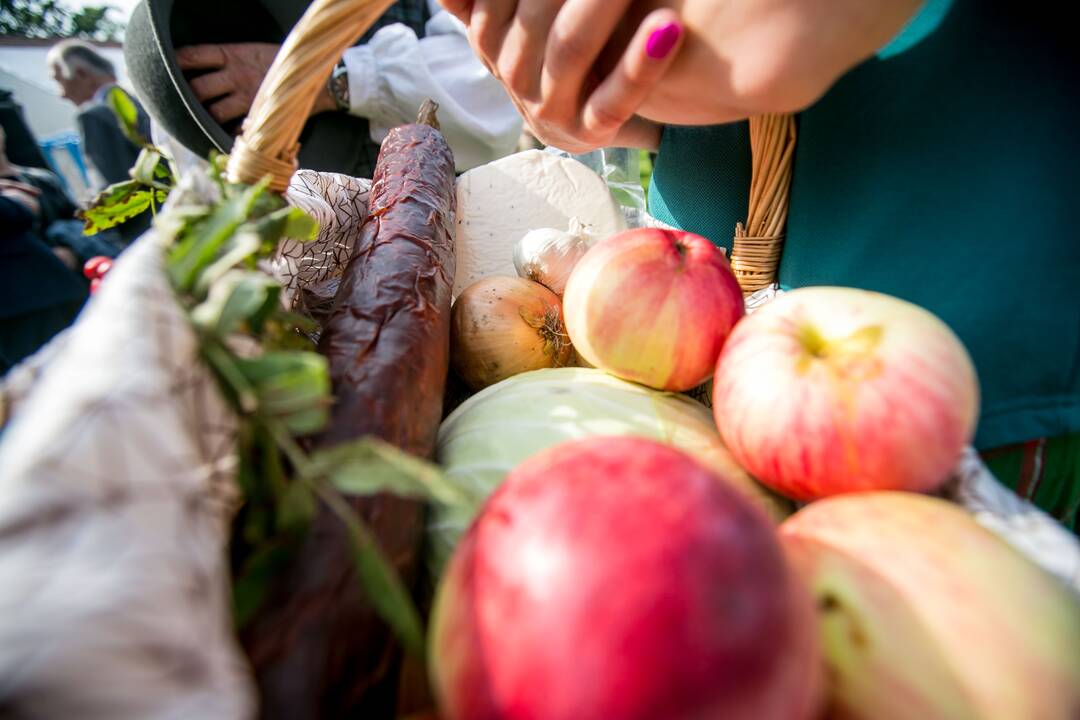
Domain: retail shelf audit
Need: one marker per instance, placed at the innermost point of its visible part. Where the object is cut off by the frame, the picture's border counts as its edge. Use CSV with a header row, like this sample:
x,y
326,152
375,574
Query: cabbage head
x,y
499,427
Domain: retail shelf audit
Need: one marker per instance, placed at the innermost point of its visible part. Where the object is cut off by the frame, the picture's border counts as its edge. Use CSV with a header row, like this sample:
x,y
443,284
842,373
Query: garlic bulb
x,y
547,255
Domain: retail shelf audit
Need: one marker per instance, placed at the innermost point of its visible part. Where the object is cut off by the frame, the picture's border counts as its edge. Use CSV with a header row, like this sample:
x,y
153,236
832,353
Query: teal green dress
x,y
943,171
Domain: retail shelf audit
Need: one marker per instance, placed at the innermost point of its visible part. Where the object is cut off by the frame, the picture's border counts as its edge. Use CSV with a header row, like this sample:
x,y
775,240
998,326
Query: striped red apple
x,y
833,390
653,306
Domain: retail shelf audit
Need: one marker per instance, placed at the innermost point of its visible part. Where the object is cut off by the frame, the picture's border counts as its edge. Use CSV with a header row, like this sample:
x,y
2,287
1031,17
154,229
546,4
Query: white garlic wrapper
x,y
547,255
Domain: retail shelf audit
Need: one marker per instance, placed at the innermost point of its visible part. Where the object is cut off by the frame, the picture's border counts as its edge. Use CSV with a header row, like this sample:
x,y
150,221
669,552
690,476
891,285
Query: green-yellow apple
x,y
925,614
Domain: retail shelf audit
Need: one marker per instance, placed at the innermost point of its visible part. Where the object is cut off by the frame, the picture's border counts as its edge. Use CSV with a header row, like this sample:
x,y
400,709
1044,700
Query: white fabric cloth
x,y
116,494
390,76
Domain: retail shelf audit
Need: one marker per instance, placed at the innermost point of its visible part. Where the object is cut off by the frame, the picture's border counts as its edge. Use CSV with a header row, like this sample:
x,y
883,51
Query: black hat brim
x,y
156,29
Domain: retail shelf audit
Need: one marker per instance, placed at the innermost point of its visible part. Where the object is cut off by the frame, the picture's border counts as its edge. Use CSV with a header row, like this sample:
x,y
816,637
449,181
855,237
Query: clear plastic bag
x,y
621,170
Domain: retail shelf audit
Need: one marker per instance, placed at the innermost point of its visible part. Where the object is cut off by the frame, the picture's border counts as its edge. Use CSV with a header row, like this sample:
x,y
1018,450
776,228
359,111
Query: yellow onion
x,y
502,326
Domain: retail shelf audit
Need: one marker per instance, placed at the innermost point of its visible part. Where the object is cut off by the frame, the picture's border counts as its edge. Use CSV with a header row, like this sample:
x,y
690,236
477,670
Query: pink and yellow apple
x,y
925,614
617,578
653,306
833,390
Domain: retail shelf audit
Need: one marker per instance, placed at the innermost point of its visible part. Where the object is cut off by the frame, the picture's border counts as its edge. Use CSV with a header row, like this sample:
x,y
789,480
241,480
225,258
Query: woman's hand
x,y
544,53
581,73
236,70
766,56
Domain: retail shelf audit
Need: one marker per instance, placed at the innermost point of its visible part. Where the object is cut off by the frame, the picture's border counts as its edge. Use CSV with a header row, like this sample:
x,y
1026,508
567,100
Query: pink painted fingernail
x,y
662,40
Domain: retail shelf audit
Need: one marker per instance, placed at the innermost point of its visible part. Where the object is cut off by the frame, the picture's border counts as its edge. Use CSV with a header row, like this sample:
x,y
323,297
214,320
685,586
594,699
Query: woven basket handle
x,y
268,144
755,253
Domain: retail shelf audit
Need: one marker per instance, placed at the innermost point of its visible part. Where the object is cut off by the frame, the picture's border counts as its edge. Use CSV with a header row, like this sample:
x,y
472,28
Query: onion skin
x,y
502,326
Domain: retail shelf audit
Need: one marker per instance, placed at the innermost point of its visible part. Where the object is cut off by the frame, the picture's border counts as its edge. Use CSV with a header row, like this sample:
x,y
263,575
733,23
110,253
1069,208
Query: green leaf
x,y
241,247
368,466
254,579
272,469
117,204
299,225
281,223
163,172
235,386
293,387
177,223
282,332
381,581
239,297
296,507
297,321
127,114
201,246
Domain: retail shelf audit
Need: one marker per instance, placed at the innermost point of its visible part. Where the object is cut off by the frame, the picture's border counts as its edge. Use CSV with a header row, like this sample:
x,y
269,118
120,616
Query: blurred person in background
x,y
39,295
53,202
55,222
86,78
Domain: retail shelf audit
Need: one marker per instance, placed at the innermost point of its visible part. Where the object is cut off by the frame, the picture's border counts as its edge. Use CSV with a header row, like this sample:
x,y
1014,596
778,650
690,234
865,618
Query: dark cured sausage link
x,y
387,336
318,649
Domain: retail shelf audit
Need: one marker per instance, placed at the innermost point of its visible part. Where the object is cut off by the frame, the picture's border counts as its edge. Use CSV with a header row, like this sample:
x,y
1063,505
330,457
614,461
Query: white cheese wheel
x,y
499,202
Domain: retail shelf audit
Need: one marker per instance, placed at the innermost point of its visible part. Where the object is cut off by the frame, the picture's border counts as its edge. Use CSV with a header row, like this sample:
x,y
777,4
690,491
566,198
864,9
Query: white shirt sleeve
x,y
390,76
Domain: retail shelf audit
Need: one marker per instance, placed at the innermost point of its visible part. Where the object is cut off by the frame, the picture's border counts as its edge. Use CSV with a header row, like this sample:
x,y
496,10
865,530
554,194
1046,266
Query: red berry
x,y
96,266
94,283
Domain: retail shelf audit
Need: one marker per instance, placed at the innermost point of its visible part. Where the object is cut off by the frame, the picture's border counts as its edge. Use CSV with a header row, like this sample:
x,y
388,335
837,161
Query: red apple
x,y
833,390
617,578
653,306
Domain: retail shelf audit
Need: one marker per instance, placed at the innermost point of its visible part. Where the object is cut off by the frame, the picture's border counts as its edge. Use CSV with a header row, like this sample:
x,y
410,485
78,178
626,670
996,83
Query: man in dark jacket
x,y
87,79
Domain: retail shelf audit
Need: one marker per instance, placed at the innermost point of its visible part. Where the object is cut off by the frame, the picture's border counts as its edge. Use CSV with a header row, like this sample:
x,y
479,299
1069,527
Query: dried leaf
x,y
119,203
